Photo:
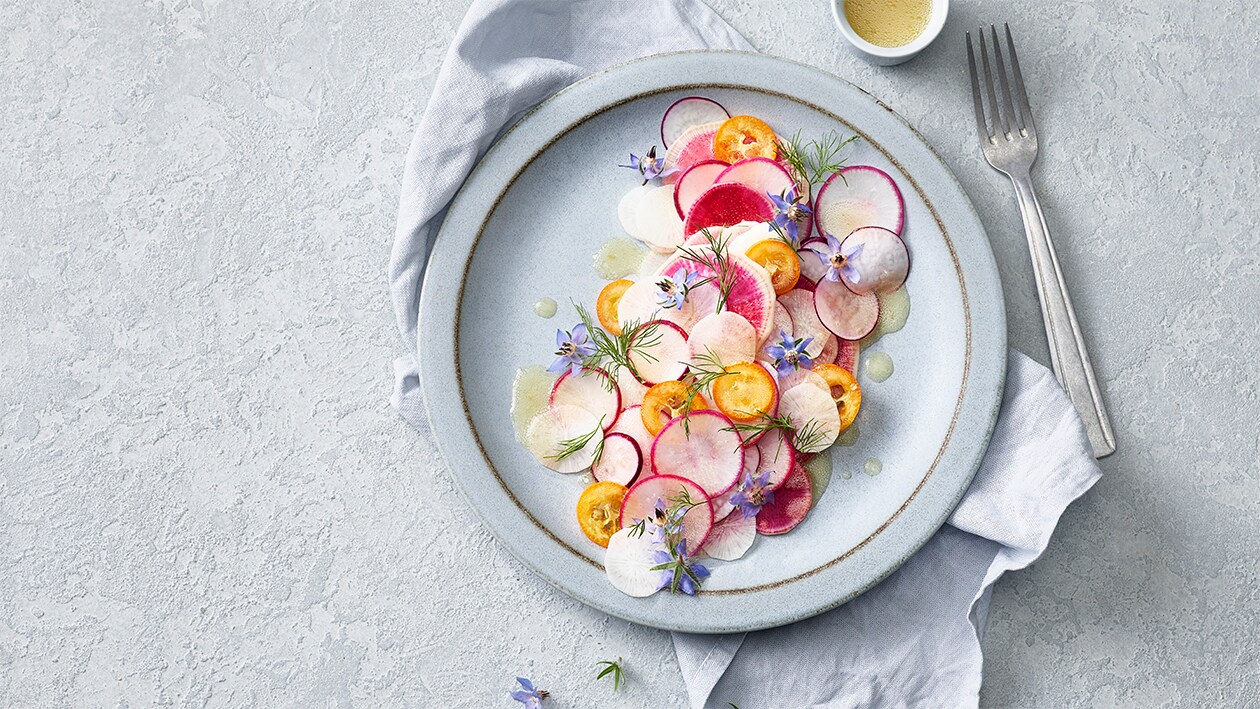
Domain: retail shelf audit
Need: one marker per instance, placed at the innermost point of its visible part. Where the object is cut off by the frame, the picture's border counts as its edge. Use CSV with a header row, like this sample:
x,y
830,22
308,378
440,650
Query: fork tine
x,y
998,126
1020,94
1013,123
981,126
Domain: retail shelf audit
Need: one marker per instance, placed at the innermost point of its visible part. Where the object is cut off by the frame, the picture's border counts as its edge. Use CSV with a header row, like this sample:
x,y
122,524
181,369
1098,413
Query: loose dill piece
x,y
808,437
612,668
612,352
569,446
816,159
716,259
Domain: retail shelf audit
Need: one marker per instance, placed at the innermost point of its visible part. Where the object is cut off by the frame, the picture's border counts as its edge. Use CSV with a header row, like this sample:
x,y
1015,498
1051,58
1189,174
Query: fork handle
x,y
1068,355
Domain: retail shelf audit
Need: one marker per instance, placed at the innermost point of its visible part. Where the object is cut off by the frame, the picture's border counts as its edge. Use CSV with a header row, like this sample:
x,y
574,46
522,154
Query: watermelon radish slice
x,y
843,312
808,406
805,284
847,354
694,146
763,175
687,113
629,561
620,462
883,263
707,455
630,423
751,295
693,182
643,496
855,197
776,456
662,355
792,501
588,390
556,424
725,204
657,221
727,336
732,537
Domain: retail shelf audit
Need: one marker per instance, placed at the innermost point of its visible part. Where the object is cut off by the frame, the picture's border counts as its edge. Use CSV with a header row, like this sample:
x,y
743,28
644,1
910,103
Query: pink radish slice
x,y
707,455
751,294
693,182
588,390
858,196
831,345
732,537
782,325
800,305
632,390
847,354
694,146
630,423
776,456
687,113
792,501
843,312
657,221
725,204
883,263
629,561
643,496
556,424
620,462
763,175
727,336
662,354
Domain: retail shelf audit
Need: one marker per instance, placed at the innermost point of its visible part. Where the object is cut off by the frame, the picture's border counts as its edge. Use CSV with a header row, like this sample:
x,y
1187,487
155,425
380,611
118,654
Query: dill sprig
x,y
612,352
702,371
716,259
569,446
803,437
816,159
612,668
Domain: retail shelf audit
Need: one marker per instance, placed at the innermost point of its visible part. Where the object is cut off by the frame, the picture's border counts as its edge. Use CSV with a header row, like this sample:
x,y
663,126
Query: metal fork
x,y
1009,140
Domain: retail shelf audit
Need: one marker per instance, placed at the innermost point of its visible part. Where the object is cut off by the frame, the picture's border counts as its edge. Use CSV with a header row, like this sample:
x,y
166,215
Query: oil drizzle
x,y
618,258
545,307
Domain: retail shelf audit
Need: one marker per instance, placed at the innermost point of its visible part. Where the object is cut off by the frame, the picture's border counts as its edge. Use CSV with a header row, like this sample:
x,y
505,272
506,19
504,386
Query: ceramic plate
x,y
526,225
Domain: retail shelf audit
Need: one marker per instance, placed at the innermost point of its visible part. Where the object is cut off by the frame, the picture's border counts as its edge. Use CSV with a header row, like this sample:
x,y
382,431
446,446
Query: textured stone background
x,y
206,499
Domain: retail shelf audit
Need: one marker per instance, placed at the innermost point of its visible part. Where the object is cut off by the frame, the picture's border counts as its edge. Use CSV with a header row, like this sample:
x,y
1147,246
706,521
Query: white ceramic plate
x,y
526,225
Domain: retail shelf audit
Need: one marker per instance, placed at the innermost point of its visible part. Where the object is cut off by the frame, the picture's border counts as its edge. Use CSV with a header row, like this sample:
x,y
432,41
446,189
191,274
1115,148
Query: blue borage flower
x,y
672,291
789,354
529,695
789,213
753,493
649,166
678,571
839,261
571,348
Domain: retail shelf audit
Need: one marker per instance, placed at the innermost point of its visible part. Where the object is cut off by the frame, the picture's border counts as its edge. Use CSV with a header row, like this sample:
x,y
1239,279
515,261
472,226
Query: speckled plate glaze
x,y
526,225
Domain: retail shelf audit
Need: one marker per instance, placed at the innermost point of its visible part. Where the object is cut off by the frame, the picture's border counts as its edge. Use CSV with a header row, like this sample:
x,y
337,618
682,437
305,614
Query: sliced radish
x,y
629,207
725,204
805,284
742,236
812,265
589,390
800,305
661,354
658,223
782,325
792,501
693,182
694,146
732,537
686,113
811,408
831,345
803,376
620,462
883,262
641,302
727,336
751,294
843,312
632,390
630,423
761,174
709,454
642,498
722,504
847,354
629,561
556,424
775,456
858,196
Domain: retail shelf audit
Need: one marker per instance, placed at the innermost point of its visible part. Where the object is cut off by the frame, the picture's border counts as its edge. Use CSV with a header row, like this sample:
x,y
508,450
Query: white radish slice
x,y
776,456
782,325
687,113
883,262
658,223
643,497
661,352
790,505
809,407
632,390
708,455
588,390
695,145
732,537
843,312
556,424
803,376
630,423
745,238
805,322
620,462
722,505
847,354
641,302
727,336
629,207
858,196
762,174
628,564
693,182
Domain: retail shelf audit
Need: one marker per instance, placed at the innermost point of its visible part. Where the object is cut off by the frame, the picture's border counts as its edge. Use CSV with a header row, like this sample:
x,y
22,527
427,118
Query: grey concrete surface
x,y
205,498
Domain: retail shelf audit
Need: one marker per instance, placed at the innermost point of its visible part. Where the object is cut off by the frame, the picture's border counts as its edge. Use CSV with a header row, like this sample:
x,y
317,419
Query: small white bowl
x,y
887,56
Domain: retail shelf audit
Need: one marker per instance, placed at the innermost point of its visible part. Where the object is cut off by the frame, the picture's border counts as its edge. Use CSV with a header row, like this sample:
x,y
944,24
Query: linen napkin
x,y
913,640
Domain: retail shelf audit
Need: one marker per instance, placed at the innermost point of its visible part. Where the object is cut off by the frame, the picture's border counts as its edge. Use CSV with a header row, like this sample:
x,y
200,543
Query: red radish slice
x,y
725,204
620,462
727,336
858,196
732,537
643,496
630,423
811,408
629,206
803,376
883,262
632,390
694,146
751,294
658,223
843,312
687,113
556,424
791,503
693,182
662,353
847,354
707,455
588,390
763,175
800,305
629,561
776,456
